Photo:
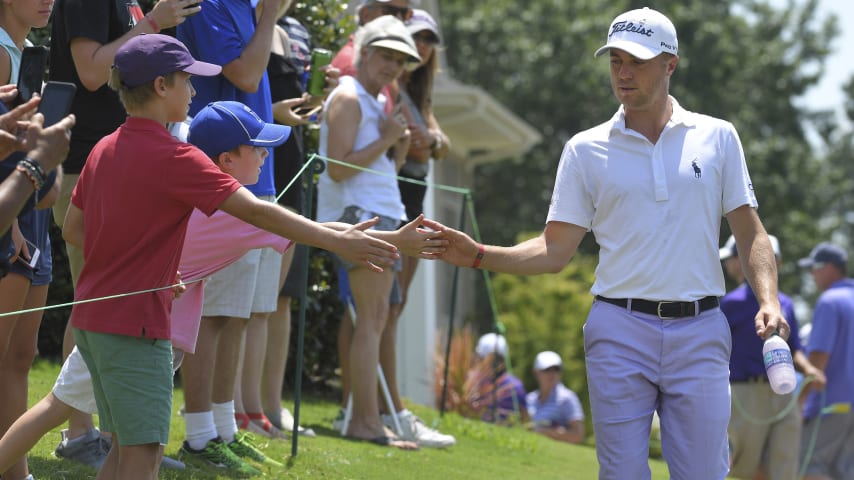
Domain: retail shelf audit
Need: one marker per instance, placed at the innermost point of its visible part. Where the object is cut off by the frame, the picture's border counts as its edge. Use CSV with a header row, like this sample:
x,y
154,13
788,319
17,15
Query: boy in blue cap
x,y
129,213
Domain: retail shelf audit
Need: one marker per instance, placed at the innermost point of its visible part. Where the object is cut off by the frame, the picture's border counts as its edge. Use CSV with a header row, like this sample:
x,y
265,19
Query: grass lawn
x,y
483,451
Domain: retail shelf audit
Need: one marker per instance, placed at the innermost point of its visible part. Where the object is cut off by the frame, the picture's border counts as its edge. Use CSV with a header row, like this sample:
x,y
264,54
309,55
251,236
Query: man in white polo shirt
x,y
652,184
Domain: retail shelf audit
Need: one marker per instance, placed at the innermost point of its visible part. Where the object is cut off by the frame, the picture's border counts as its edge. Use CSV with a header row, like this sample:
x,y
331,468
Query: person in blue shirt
x,y
758,444
830,348
554,409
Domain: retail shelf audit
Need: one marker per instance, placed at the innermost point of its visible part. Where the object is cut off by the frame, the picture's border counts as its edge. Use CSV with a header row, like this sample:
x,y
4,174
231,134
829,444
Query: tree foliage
x,y
741,60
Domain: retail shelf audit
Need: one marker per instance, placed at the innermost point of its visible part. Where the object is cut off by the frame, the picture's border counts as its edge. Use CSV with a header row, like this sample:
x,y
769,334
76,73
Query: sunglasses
x,y
402,13
426,38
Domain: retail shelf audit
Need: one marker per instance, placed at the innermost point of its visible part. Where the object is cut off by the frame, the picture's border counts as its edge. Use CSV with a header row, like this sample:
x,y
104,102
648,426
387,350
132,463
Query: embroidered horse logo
x,y
697,171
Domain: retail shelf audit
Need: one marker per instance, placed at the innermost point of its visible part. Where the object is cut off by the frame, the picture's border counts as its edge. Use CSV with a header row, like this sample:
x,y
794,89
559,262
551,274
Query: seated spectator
x,y
554,409
497,396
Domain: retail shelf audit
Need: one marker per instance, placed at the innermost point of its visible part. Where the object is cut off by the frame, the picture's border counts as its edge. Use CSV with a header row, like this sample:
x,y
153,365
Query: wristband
x,y
480,252
29,175
153,24
34,165
32,170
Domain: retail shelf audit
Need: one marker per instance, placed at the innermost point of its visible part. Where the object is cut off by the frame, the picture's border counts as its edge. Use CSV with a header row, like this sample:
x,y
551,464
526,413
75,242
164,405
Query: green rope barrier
x,y
90,300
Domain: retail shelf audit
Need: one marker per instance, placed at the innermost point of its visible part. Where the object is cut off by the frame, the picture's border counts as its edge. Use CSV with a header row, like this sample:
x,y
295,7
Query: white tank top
x,y
373,193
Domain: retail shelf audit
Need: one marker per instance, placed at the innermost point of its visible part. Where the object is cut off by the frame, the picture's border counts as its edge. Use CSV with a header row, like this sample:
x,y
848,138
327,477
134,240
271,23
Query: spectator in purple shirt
x,y
498,395
759,446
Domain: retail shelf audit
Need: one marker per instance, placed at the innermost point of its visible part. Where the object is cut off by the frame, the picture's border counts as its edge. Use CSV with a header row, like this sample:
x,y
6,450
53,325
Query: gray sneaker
x,y
89,449
170,463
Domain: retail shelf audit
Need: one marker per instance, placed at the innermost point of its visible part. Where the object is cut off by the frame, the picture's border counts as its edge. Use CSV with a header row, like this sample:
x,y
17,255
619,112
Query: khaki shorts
x,y
249,285
757,443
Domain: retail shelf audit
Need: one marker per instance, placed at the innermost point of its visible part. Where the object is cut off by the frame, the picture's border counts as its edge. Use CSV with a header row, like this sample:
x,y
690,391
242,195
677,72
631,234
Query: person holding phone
x,y
85,35
29,274
357,131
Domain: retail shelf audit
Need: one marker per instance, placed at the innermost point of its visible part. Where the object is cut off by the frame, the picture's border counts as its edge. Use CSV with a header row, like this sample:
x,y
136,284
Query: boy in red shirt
x,y
129,213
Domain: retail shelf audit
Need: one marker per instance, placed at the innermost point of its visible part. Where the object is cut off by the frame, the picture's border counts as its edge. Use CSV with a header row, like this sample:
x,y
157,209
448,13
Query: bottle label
x,y
777,356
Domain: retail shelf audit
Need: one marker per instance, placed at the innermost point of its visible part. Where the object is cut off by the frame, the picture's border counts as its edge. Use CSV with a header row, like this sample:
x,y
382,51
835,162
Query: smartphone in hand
x,y
34,256
56,101
31,73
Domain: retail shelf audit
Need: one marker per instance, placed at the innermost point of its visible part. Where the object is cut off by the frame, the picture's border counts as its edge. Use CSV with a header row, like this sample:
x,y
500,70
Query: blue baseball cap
x,y
223,126
825,253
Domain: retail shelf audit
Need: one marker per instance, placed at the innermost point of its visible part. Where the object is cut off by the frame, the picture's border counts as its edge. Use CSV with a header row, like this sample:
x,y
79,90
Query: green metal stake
x,y
316,167
451,316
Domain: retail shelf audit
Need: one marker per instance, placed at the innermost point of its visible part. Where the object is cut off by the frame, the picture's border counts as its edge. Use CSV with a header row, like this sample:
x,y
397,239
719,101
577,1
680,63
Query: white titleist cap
x,y
643,33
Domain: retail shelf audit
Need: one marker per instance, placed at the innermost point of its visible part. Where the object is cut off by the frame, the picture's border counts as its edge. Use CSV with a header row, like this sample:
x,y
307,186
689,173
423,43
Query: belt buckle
x,y
658,311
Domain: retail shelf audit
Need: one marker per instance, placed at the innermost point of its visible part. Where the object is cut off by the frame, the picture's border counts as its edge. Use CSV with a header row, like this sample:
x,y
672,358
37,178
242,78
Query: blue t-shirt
x,y
740,307
219,34
833,333
560,409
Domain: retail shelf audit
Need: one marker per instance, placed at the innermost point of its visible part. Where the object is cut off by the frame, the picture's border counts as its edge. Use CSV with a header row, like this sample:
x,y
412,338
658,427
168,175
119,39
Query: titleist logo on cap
x,y
627,26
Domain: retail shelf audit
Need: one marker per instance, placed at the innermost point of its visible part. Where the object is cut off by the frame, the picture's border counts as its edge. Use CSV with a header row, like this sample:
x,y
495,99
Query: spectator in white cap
x,y
652,184
554,409
498,396
831,348
767,447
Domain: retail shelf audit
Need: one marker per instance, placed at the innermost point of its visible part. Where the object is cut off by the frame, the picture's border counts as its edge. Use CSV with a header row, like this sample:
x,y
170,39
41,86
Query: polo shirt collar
x,y
680,116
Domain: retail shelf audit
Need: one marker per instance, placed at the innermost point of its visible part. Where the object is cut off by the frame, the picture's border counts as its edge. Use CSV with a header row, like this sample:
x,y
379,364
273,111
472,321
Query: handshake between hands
x,y
422,238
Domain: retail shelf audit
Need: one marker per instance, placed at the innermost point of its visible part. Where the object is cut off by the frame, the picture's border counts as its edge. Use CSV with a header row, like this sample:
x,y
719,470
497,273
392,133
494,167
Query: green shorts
x,y
132,379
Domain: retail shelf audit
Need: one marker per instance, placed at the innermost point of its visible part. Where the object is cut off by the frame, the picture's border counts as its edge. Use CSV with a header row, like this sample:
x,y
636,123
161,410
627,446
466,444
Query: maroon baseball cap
x,y
146,57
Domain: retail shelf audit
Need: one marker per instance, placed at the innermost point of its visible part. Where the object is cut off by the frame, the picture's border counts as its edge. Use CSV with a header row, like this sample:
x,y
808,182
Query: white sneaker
x,y
414,430
286,423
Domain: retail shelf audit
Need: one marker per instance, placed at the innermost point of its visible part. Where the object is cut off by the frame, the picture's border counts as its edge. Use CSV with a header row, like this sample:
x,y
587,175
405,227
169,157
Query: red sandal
x,y
258,423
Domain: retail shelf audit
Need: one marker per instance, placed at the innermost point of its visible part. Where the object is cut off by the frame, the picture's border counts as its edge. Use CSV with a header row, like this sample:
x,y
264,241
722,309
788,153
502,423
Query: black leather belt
x,y
664,309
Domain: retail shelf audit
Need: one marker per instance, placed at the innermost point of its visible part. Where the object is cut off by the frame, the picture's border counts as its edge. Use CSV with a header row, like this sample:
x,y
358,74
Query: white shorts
x,y
74,384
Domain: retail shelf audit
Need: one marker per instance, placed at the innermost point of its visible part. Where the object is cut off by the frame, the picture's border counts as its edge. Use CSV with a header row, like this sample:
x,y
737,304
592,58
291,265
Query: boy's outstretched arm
x,y
353,244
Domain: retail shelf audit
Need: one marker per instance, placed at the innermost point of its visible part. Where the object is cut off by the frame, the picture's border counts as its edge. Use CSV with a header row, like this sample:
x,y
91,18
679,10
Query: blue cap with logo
x,y
223,126
825,252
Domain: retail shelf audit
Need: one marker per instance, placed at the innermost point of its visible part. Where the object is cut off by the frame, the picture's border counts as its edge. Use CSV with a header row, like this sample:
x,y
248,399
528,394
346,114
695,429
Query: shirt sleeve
x,y
195,178
737,186
571,202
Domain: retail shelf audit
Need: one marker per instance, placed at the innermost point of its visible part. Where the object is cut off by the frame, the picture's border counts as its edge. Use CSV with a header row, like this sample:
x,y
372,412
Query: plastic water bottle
x,y
778,365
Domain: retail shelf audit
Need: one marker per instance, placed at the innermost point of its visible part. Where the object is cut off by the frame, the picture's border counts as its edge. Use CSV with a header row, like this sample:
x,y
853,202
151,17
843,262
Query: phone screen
x,y
56,101
34,256
31,75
